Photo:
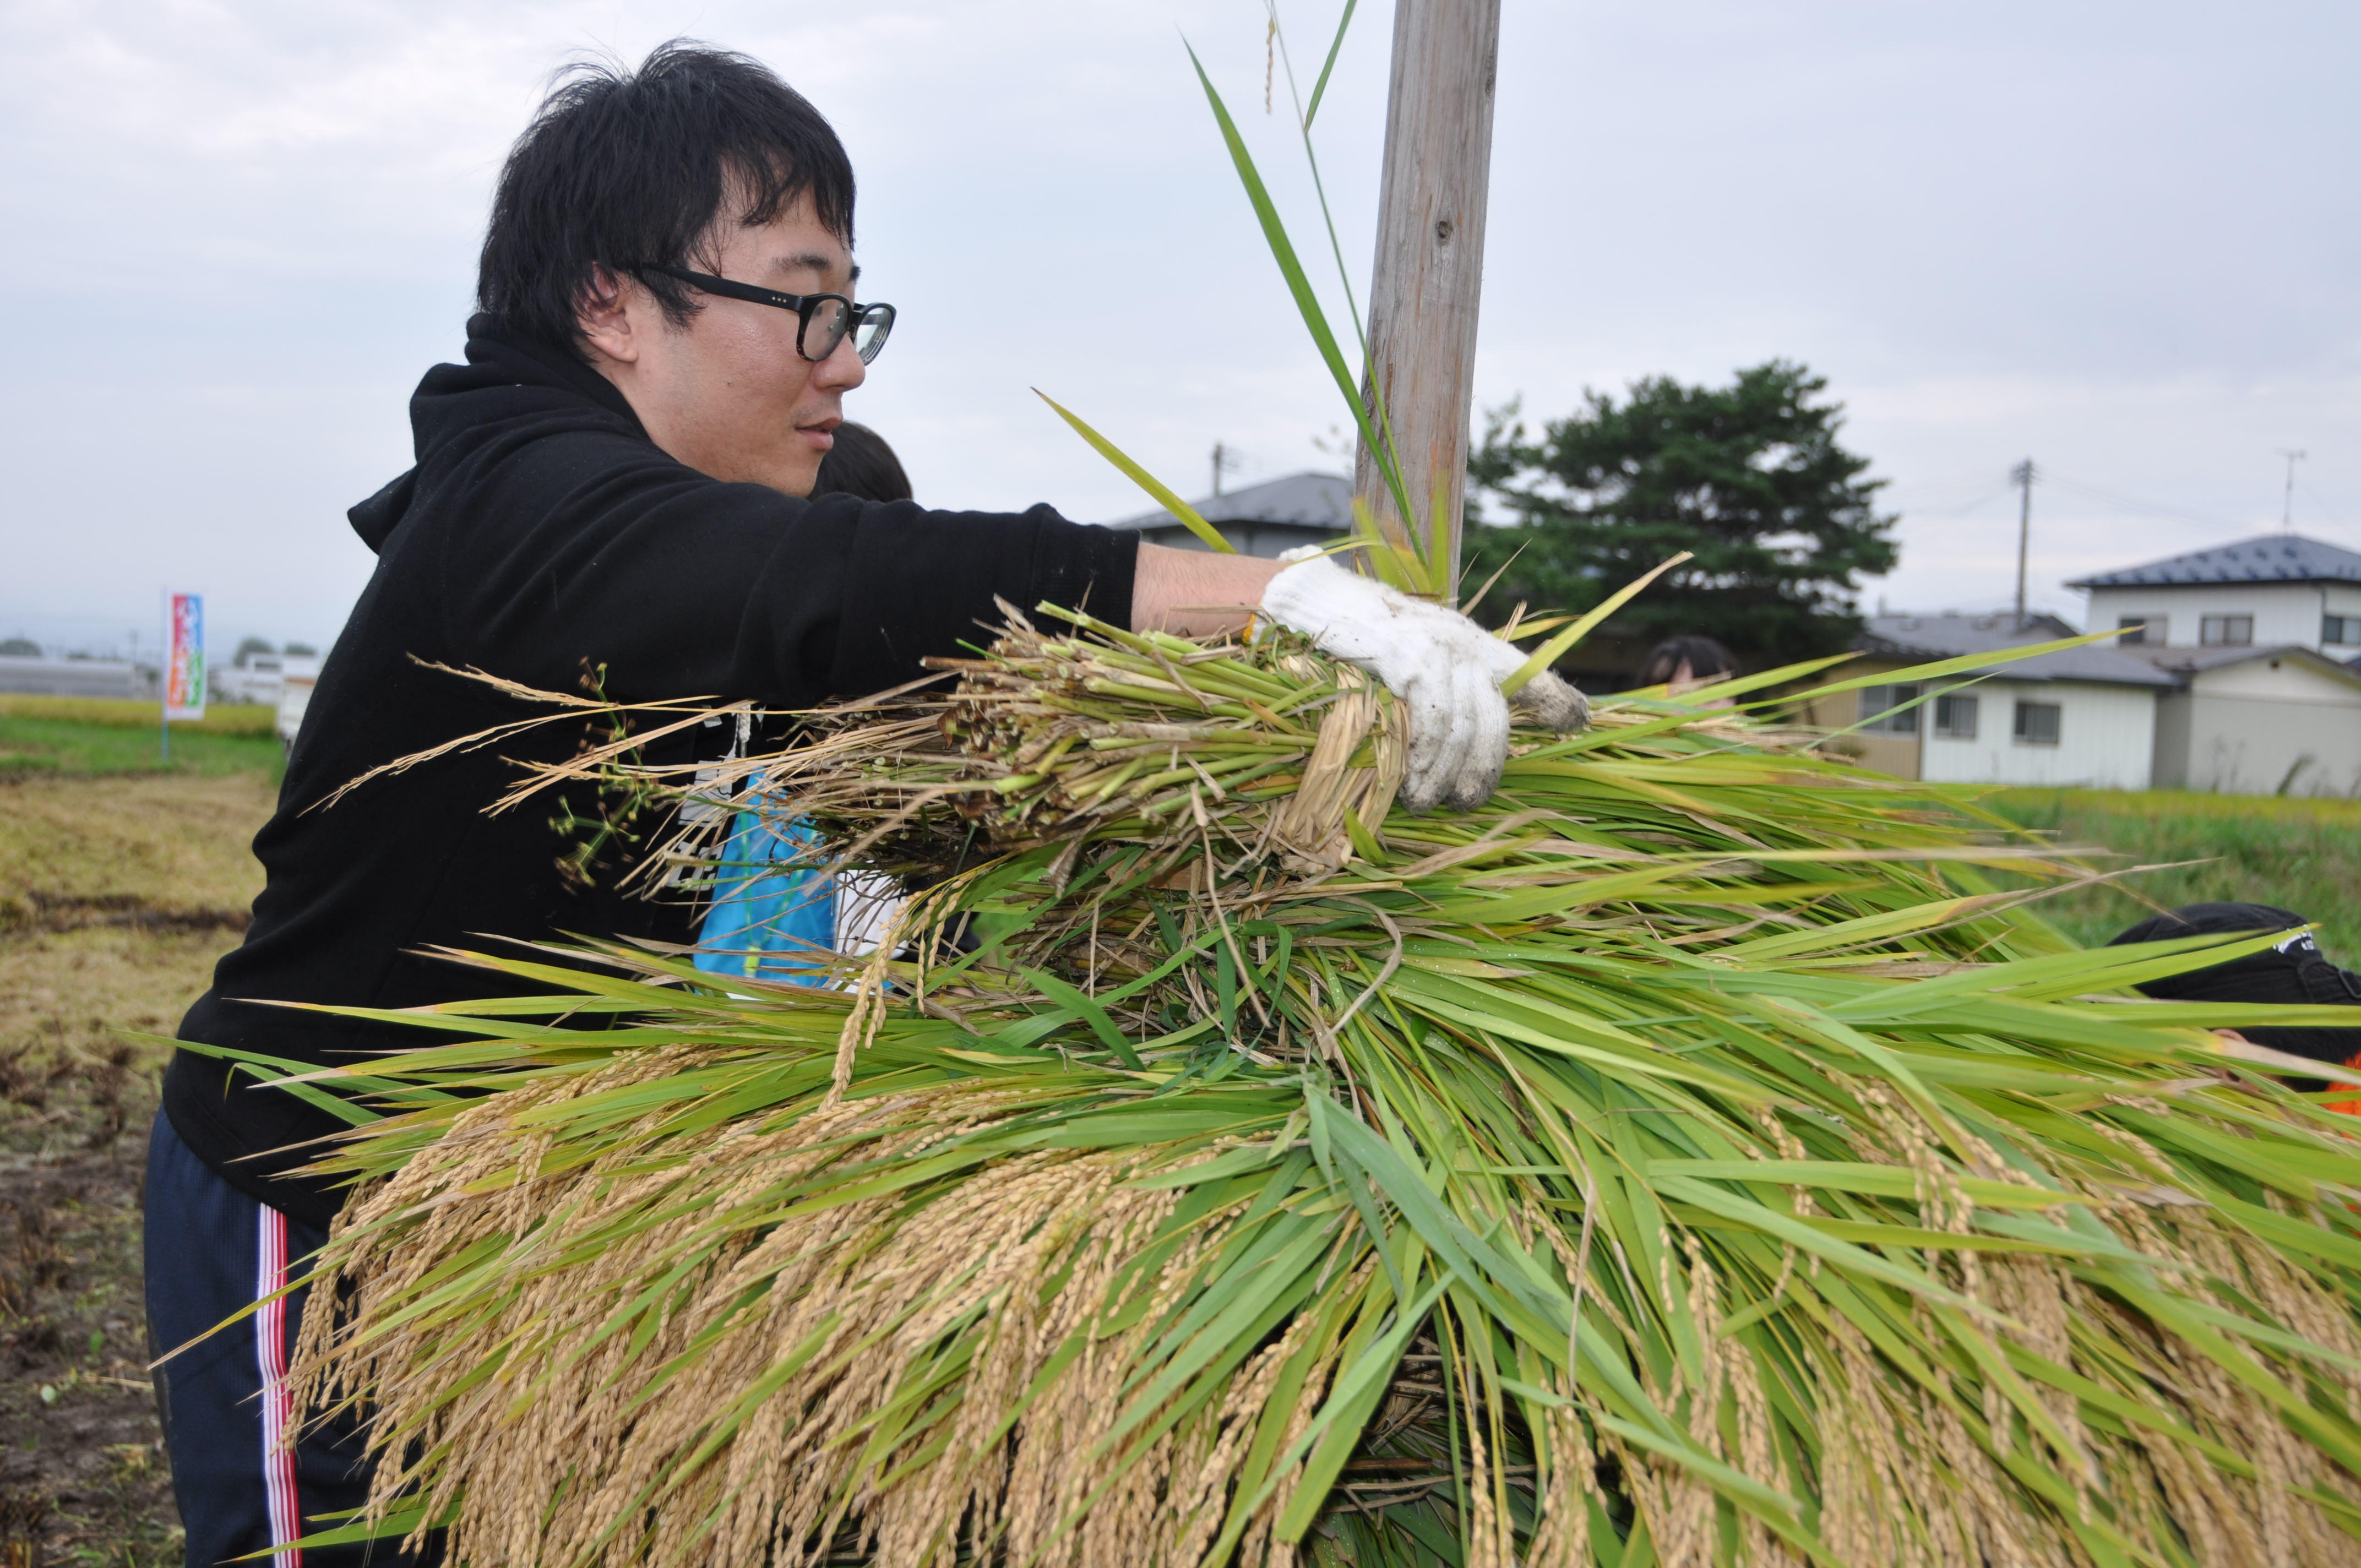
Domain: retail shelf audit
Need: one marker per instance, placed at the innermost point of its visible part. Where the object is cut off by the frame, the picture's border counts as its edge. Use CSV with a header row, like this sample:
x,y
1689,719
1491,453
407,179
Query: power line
x,y
2135,502
1981,501
2334,513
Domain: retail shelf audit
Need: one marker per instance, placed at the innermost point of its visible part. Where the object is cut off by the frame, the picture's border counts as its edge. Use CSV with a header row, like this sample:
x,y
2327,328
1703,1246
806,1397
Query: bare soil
x,y
117,895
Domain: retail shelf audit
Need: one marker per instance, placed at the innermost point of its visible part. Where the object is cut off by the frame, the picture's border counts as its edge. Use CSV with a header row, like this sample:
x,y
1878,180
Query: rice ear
x,y
1702,1148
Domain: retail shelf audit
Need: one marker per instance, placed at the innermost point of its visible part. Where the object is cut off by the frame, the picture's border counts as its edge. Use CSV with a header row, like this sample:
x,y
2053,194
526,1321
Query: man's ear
x,y
604,314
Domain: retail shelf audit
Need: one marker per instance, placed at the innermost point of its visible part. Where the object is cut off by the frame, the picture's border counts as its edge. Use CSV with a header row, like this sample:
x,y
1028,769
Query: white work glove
x,y
1446,669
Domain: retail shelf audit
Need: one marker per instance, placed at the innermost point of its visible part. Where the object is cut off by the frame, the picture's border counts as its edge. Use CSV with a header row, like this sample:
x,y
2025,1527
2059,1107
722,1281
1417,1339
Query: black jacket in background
x,y
542,533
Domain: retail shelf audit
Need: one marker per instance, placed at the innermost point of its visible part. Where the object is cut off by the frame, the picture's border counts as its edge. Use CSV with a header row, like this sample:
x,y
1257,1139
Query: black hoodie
x,y
541,535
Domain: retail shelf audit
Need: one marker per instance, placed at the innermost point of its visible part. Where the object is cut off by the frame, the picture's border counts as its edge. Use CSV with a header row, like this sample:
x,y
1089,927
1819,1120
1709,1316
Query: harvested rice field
x,y
117,895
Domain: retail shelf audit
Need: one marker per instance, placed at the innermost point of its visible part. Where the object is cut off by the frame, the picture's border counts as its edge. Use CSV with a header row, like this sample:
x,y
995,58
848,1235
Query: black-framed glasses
x,y
826,319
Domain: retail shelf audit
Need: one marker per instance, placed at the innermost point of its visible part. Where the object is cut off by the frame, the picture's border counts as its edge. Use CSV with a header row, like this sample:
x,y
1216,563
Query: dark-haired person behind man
x,y
861,464
610,494
1684,663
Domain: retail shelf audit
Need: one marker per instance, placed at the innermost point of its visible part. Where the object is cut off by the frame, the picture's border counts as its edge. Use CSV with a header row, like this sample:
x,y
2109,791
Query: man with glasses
x,y
612,495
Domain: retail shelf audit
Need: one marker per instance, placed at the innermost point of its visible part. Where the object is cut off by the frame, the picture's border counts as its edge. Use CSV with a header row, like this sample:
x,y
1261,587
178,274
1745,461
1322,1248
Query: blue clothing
x,y
766,921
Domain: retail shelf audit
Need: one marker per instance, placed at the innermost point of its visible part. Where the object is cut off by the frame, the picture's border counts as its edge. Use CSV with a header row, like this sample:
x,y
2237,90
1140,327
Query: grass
x,y
78,737
117,895
2303,855
248,718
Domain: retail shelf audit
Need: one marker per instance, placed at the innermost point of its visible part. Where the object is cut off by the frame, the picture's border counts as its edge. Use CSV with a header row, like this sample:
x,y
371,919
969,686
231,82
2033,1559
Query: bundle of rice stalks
x,y
1700,1154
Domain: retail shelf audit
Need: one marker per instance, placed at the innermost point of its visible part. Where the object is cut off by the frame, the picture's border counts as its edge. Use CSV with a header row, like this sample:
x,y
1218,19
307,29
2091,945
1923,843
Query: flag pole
x,y
164,677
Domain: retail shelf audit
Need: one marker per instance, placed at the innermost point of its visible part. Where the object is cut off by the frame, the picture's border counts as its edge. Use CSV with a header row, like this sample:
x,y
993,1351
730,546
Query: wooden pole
x,y
1429,279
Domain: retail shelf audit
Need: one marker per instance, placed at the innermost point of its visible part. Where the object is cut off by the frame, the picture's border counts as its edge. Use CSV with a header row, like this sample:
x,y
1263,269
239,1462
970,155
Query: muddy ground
x,y
117,895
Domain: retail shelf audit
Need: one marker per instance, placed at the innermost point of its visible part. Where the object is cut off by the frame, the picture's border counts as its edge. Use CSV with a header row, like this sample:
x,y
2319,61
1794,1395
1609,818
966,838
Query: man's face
x,y
728,393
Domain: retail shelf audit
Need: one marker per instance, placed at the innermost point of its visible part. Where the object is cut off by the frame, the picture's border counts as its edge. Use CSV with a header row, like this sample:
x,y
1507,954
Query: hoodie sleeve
x,y
590,548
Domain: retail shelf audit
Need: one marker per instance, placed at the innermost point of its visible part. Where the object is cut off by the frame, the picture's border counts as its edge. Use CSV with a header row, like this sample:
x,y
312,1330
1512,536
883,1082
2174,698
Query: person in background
x,y
2295,972
861,464
1681,665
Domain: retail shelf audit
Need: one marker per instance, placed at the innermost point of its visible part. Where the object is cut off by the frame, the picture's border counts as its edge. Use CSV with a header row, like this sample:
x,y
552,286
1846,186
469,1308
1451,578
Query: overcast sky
x,y
2120,238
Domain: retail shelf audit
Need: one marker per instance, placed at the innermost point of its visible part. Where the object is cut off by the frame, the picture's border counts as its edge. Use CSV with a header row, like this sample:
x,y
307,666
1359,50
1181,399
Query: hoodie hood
x,y
443,407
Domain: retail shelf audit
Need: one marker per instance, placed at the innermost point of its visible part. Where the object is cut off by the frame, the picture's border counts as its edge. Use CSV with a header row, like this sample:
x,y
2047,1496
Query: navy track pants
x,y
212,1251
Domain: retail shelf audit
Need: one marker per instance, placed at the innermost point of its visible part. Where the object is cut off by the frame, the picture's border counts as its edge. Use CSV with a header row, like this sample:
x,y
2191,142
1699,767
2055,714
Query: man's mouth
x,y
822,435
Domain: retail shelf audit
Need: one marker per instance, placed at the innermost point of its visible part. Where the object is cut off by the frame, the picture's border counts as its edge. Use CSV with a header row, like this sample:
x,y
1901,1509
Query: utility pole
x,y
1224,461
2023,476
1429,279
2287,510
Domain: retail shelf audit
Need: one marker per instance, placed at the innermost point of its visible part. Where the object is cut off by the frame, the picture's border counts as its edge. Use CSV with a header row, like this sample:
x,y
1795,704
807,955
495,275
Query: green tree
x,y
20,648
1748,477
248,647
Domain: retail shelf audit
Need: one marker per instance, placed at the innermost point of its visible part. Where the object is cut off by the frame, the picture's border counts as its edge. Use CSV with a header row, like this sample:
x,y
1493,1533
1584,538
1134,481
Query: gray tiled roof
x,y
2265,558
1931,637
2196,661
1307,500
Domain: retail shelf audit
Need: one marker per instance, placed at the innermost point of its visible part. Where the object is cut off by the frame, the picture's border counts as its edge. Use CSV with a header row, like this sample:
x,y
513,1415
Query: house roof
x,y
1949,636
2265,558
2186,661
1307,499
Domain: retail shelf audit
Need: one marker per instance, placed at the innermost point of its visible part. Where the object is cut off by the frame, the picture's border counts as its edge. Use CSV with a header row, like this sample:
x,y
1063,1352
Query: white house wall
x,y
2241,730
2282,680
2175,717
2106,737
2283,612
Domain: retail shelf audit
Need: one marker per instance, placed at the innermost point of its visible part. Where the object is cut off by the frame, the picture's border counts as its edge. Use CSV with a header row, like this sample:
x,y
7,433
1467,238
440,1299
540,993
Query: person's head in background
x,y
2293,973
861,464
1683,664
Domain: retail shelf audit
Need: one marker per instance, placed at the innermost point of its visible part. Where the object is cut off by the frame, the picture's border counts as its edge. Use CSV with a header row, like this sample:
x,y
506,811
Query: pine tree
x,y
1751,478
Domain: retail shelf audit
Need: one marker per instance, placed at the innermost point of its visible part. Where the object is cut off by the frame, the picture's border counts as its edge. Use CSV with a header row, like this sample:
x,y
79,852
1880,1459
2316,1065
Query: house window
x,y
2340,629
2225,630
1883,710
2143,628
2036,724
1955,717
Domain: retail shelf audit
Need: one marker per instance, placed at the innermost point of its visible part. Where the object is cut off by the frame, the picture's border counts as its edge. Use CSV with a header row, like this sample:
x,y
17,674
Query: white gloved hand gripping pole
x,y
1446,669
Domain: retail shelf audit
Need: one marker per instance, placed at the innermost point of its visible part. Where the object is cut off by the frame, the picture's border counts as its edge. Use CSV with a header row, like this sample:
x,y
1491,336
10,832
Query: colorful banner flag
x,y
184,656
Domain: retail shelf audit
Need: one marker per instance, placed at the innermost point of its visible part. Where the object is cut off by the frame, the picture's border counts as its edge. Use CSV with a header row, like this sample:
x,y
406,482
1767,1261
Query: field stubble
x,y
117,895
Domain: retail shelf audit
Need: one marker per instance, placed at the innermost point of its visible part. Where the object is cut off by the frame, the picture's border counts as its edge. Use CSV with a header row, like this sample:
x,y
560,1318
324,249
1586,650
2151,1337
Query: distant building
x,y
295,700
2258,634
261,679
1259,519
2083,716
2233,676
2283,720
2275,591
74,677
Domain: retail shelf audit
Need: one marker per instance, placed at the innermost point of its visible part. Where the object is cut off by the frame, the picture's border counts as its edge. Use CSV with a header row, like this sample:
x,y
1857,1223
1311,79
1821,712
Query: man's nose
x,y
843,368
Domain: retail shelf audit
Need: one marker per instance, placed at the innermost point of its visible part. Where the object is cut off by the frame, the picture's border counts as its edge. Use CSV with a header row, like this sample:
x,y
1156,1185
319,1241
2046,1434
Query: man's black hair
x,y
861,464
623,168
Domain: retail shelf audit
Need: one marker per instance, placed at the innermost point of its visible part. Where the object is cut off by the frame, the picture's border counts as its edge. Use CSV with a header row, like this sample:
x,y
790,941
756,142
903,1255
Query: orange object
x,y
2348,1107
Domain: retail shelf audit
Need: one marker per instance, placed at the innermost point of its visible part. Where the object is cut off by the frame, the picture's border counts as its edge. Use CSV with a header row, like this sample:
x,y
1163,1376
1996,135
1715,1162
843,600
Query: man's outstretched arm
x,y
1446,669
1195,593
